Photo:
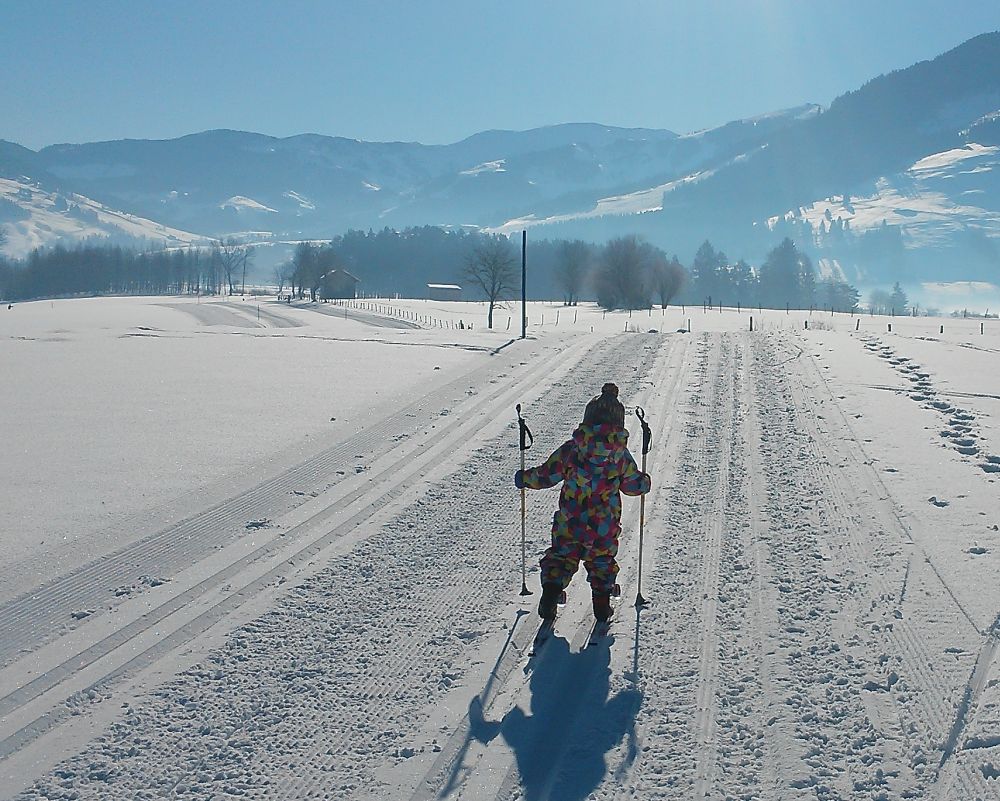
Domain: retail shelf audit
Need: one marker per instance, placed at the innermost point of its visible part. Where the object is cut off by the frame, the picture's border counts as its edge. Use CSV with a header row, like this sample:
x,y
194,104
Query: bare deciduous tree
x,y
310,264
327,261
573,262
491,268
281,273
305,267
233,256
245,258
622,278
668,277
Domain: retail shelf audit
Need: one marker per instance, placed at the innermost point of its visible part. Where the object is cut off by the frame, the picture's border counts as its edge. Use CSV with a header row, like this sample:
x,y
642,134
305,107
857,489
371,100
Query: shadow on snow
x,y
561,746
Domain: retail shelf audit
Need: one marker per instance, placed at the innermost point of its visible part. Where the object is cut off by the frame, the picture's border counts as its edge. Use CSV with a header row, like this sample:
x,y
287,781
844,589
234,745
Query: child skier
x,y
595,467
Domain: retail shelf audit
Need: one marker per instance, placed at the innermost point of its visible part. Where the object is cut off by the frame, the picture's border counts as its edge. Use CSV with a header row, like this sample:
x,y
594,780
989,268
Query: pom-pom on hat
x,y
605,409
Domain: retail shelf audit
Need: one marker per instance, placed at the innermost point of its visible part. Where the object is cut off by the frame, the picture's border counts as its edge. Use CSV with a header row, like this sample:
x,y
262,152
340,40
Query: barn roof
x,y
342,274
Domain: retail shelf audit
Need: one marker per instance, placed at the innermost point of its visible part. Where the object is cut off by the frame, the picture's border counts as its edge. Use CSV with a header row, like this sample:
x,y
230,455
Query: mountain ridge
x,y
739,184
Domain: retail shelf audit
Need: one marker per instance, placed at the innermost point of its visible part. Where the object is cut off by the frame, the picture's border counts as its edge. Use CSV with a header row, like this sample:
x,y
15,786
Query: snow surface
x,y
936,164
303,201
487,166
632,203
281,605
240,203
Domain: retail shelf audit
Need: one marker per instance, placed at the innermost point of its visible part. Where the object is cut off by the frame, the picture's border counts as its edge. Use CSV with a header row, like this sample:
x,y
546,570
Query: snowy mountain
x,y
904,166
221,182
895,178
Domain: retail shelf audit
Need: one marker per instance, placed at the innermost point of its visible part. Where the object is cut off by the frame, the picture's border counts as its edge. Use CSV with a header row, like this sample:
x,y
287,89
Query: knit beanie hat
x,y
605,409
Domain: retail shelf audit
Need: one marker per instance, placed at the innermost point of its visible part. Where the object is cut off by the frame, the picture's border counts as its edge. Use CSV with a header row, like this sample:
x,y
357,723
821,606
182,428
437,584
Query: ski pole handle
x,y
647,434
527,440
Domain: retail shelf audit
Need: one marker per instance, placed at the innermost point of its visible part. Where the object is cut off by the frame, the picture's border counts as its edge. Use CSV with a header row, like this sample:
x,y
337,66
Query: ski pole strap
x,y
647,434
527,440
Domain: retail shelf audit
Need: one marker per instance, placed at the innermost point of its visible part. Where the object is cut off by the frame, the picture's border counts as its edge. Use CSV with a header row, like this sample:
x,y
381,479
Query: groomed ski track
x,y
370,644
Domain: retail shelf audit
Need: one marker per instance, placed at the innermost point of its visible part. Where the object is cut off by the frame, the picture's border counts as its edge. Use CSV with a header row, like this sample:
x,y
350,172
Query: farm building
x,y
338,284
444,292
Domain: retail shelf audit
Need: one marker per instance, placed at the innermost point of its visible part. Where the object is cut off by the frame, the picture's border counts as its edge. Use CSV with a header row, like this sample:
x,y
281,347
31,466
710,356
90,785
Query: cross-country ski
x,y
545,630
599,633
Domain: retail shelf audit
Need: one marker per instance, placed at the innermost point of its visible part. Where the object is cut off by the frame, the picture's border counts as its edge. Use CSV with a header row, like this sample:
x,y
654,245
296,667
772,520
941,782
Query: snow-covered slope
x,y
940,196
32,217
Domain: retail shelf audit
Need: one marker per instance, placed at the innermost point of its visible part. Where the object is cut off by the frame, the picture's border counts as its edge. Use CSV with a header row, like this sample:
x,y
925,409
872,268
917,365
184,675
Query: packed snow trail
x,y
40,690
452,508
791,648
775,660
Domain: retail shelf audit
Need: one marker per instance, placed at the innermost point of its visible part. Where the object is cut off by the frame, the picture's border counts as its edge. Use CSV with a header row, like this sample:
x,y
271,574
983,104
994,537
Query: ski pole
x,y
527,440
647,438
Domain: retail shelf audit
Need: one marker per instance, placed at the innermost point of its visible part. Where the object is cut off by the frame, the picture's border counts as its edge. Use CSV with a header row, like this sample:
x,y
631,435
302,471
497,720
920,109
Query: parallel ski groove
x,y
117,641
821,684
860,533
407,655
764,603
708,673
916,664
678,514
36,616
661,392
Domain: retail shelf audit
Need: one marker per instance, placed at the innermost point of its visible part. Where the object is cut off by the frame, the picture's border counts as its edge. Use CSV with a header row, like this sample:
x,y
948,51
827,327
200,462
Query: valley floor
x,y
821,557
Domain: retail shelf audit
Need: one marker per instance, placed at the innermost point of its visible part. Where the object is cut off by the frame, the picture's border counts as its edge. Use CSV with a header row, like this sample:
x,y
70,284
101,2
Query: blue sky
x,y
436,71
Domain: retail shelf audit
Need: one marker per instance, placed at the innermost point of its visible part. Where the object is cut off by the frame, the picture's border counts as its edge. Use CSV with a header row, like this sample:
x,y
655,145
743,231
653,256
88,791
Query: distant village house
x,y
338,284
444,292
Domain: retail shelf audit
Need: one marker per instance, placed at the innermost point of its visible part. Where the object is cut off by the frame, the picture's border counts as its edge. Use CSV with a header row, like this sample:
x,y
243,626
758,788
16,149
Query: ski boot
x,y
602,607
551,594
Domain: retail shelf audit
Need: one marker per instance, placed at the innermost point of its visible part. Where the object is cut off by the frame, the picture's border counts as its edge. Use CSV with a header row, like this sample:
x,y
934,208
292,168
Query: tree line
x,y
629,273
785,279
96,267
624,273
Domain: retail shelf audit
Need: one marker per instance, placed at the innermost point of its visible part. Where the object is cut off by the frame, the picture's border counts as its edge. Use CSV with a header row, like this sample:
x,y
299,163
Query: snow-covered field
x,y
256,550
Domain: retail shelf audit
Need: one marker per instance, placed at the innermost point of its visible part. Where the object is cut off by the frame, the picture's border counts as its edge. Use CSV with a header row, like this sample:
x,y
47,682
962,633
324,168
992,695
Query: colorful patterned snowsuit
x,y
595,467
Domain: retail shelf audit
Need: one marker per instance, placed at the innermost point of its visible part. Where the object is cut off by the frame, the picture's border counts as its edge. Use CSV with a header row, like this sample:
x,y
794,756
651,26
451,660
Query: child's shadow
x,y
561,746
